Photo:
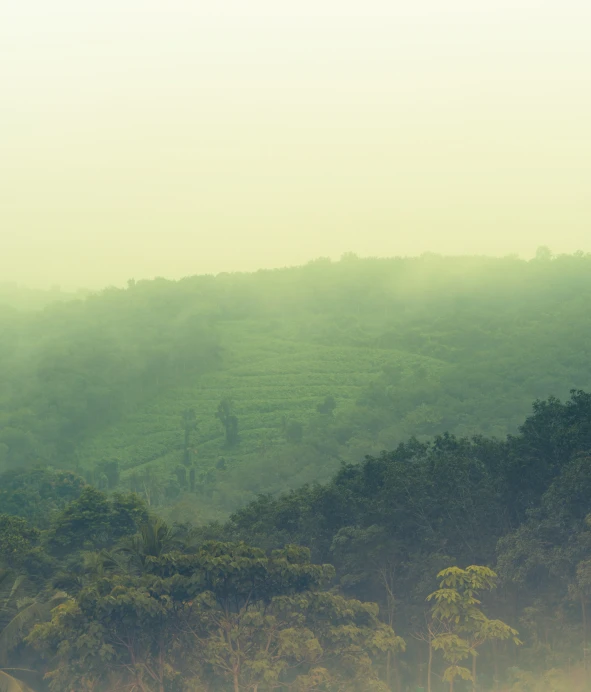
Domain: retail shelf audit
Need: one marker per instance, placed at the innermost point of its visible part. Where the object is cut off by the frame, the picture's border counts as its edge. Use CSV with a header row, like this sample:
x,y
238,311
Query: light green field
x,y
268,380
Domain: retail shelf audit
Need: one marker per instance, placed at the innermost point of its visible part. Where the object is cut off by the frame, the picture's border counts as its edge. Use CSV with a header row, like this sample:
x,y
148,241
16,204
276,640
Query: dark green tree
x,y
225,414
95,520
327,407
17,539
189,423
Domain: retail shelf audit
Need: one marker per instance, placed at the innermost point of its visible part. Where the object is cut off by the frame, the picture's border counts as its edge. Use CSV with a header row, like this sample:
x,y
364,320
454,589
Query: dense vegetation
x,y
460,559
522,505
101,594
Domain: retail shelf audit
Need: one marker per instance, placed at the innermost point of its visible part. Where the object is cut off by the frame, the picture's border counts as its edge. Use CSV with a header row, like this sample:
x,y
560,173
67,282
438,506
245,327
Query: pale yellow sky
x,y
173,137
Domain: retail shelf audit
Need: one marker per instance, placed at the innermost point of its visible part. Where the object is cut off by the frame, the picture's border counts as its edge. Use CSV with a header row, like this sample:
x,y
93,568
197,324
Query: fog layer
x,y
145,138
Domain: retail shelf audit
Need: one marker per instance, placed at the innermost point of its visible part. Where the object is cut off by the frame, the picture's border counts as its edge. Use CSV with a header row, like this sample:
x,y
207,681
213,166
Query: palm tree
x,y
29,610
13,627
154,539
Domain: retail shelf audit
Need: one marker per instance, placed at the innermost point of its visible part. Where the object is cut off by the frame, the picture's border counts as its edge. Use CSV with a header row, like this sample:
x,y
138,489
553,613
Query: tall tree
x,y
189,423
225,414
456,605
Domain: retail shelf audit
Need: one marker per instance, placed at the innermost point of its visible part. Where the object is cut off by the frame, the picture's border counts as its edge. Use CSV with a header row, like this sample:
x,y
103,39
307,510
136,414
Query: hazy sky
x,y
173,137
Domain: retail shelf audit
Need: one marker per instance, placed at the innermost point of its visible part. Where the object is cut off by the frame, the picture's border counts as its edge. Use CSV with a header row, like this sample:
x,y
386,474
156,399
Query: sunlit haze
x,y
144,138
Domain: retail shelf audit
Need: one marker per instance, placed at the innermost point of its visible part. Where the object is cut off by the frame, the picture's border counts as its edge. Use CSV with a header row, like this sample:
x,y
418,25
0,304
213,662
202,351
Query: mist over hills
x,y
301,478
204,392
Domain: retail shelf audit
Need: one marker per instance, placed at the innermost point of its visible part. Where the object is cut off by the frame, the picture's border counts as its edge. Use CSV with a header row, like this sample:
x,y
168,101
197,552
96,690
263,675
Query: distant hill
x,y
204,392
13,296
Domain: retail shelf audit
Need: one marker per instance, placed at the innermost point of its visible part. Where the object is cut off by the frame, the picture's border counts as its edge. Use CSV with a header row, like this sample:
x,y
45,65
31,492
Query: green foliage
x,y
20,610
17,539
456,601
198,618
390,522
96,520
213,609
465,627
35,494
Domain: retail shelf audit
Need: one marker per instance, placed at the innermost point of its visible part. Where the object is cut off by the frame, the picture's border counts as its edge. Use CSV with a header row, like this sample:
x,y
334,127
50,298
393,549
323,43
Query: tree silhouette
x,y
225,414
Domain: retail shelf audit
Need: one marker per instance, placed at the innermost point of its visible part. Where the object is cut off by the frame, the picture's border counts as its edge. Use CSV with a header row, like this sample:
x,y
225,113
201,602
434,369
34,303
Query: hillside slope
x,y
319,364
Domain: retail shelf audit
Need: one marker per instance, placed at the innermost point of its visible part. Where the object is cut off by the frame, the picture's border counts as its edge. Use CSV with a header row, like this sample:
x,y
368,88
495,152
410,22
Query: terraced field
x,y
270,381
